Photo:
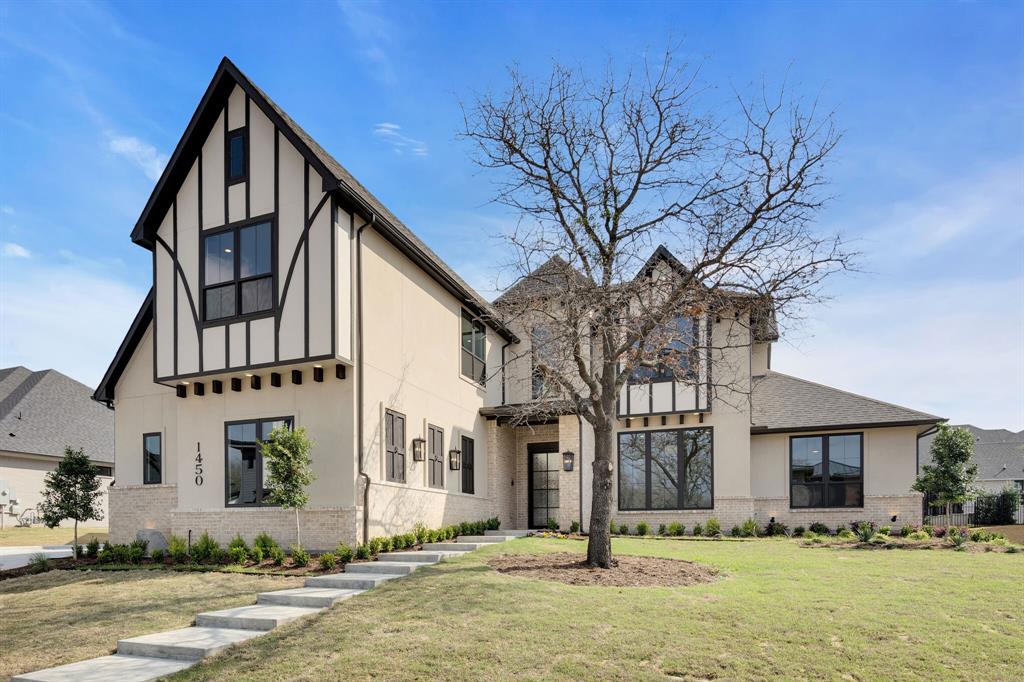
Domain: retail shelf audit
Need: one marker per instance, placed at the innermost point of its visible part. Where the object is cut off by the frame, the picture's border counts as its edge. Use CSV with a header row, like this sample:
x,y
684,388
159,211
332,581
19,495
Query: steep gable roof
x,y
42,412
780,403
547,279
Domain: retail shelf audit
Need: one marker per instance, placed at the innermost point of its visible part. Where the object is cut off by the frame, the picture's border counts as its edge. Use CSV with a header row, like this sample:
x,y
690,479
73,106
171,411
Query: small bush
x,y
238,555
256,554
775,529
814,538
39,562
614,529
864,531
918,535
138,545
927,529
363,551
642,528
238,541
574,527
698,530
845,534
819,528
906,530
885,530
300,557
276,554
79,551
420,531
328,561
386,544
623,529
997,509
206,550
878,539
799,531
957,538
93,548
374,546
675,529
749,528
736,532
177,549
494,523
939,532
712,528
552,525
157,556
344,553
265,543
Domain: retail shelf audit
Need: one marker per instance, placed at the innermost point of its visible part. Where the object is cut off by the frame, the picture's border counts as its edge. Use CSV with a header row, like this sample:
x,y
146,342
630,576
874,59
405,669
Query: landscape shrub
x,y
642,528
736,532
238,542
698,530
927,529
420,531
79,551
712,528
238,555
906,530
363,551
328,561
157,556
999,541
774,528
93,548
552,525
749,528
799,531
982,535
864,531
374,546
386,544
957,538
39,562
344,553
997,509
819,528
918,535
845,534
939,532
614,529
206,550
300,557
675,529
265,543
878,539
177,549
574,527
115,554
885,530
623,529
256,554
494,523
276,554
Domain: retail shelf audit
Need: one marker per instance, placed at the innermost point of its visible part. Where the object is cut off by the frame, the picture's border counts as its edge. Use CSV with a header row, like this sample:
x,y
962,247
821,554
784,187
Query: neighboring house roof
x,y
999,453
781,403
548,279
105,391
43,412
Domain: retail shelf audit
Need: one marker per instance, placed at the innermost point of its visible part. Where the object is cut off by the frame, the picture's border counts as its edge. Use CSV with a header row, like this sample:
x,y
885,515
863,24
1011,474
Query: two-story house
x,y
285,293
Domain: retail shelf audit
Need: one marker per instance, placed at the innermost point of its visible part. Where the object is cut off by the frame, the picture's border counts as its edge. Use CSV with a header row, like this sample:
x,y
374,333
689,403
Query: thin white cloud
x,y
400,144
13,250
373,36
142,154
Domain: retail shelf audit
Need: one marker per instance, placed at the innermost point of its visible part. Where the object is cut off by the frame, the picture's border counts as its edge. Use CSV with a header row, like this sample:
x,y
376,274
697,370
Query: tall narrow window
x,y
152,462
468,481
245,476
474,353
826,471
236,165
238,271
394,446
543,353
435,456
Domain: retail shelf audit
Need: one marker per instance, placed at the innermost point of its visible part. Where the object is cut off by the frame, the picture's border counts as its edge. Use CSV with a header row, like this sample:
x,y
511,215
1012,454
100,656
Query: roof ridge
x,y
850,393
19,392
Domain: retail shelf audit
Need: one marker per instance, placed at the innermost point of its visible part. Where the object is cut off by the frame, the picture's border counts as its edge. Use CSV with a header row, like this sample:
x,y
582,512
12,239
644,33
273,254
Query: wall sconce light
x,y
454,459
297,376
198,388
893,519
567,460
275,379
236,384
255,383
181,390
771,520
339,371
318,374
418,449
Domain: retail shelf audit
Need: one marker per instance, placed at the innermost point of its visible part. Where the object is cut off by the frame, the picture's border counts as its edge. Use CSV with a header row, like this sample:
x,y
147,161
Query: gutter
x,y
917,449
507,344
359,374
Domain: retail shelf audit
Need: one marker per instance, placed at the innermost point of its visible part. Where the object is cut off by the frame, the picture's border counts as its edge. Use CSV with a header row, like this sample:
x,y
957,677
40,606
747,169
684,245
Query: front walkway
x,y
150,657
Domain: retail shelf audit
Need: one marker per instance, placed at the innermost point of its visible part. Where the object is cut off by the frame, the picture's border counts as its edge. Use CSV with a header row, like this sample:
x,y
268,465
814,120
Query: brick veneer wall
x,y
322,527
566,434
878,509
501,473
134,507
729,511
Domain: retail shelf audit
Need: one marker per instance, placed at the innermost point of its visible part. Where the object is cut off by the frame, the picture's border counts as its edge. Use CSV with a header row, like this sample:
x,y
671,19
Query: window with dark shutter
x,y
467,465
394,446
435,456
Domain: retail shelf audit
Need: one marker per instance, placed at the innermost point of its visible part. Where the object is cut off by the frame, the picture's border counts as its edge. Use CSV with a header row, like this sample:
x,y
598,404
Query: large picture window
x,y
152,458
435,456
666,470
474,348
468,475
394,446
245,475
826,471
676,357
238,278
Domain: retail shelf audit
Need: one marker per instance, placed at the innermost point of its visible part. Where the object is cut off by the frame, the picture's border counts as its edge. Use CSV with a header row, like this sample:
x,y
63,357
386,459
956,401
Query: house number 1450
x,y
199,466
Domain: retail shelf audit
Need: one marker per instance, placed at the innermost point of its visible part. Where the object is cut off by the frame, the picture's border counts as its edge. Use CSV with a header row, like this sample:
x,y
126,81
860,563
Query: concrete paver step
x,y
310,597
508,533
259,617
186,644
484,539
453,546
395,567
106,668
421,557
351,581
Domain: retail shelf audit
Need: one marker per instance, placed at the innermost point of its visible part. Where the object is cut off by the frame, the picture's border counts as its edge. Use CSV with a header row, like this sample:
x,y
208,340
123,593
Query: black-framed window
x,y
668,469
238,271
541,352
677,357
104,471
435,456
152,458
394,446
236,156
468,482
826,470
474,348
245,476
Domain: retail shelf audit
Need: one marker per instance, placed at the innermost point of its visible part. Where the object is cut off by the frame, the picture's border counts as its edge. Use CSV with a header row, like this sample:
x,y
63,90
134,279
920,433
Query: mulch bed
x,y
627,571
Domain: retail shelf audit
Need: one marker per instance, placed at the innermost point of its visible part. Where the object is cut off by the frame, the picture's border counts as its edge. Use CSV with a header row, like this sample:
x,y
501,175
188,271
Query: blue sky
x,y
929,179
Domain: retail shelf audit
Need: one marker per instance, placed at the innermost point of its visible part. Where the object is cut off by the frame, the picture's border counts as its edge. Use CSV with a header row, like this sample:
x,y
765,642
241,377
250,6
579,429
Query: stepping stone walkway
x,y
150,657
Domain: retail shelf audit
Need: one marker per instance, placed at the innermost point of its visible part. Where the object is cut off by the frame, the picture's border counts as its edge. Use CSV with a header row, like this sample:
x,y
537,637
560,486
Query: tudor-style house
x,y
285,293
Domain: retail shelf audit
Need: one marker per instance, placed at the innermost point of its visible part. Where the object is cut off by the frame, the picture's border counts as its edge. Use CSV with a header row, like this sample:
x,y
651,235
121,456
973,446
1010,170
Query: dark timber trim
x,y
105,391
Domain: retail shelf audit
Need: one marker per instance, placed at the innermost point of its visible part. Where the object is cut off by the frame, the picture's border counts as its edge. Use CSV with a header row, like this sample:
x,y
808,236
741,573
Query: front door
x,y
545,465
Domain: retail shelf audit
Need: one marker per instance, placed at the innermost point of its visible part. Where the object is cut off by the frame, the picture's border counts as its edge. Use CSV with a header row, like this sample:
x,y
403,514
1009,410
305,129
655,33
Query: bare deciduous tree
x,y
601,172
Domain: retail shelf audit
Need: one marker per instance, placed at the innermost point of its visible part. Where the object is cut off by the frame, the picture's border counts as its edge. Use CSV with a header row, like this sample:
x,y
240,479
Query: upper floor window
x,y
238,274
474,348
826,471
394,446
151,458
235,162
676,343
542,354
246,477
666,470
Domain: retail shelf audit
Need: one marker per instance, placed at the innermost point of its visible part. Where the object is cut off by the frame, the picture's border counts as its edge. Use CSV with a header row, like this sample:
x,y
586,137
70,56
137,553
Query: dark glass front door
x,y
545,466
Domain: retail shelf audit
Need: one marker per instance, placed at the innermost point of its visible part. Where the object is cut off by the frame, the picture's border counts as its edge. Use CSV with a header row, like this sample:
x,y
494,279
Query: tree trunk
x,y
74,548
298,533
599,546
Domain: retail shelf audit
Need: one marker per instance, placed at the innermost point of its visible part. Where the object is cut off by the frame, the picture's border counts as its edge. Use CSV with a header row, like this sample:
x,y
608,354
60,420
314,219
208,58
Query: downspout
x,y
507,344
359,375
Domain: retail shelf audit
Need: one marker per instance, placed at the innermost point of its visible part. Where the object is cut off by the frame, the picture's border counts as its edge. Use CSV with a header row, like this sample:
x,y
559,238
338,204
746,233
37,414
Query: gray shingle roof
x,y
999,453
42,412
780,402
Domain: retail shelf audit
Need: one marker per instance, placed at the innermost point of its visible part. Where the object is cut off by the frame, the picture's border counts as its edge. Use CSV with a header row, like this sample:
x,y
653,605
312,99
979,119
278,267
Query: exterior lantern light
x,y
567,460
893,519
454,459
318,373
418,448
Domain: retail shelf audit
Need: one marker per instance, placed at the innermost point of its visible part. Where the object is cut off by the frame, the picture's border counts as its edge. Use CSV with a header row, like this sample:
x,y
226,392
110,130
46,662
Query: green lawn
x,y
41,535
782,612
65,616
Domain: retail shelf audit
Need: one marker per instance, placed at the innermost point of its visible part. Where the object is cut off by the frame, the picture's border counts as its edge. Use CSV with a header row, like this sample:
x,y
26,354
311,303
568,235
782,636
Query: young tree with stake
x,y
72,491
949,479
286,454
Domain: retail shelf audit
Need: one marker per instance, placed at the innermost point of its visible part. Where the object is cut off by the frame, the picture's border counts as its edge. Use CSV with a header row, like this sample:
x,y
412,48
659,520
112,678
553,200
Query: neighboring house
x,y
999,454
284,292
41,413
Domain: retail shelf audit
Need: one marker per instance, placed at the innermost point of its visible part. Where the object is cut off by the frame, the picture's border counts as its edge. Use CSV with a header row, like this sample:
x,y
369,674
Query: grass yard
x,y
41,535
782,612
65,616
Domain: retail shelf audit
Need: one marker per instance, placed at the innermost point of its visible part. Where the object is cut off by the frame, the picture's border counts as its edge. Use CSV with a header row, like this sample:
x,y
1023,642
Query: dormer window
x,y
238,277
236,164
